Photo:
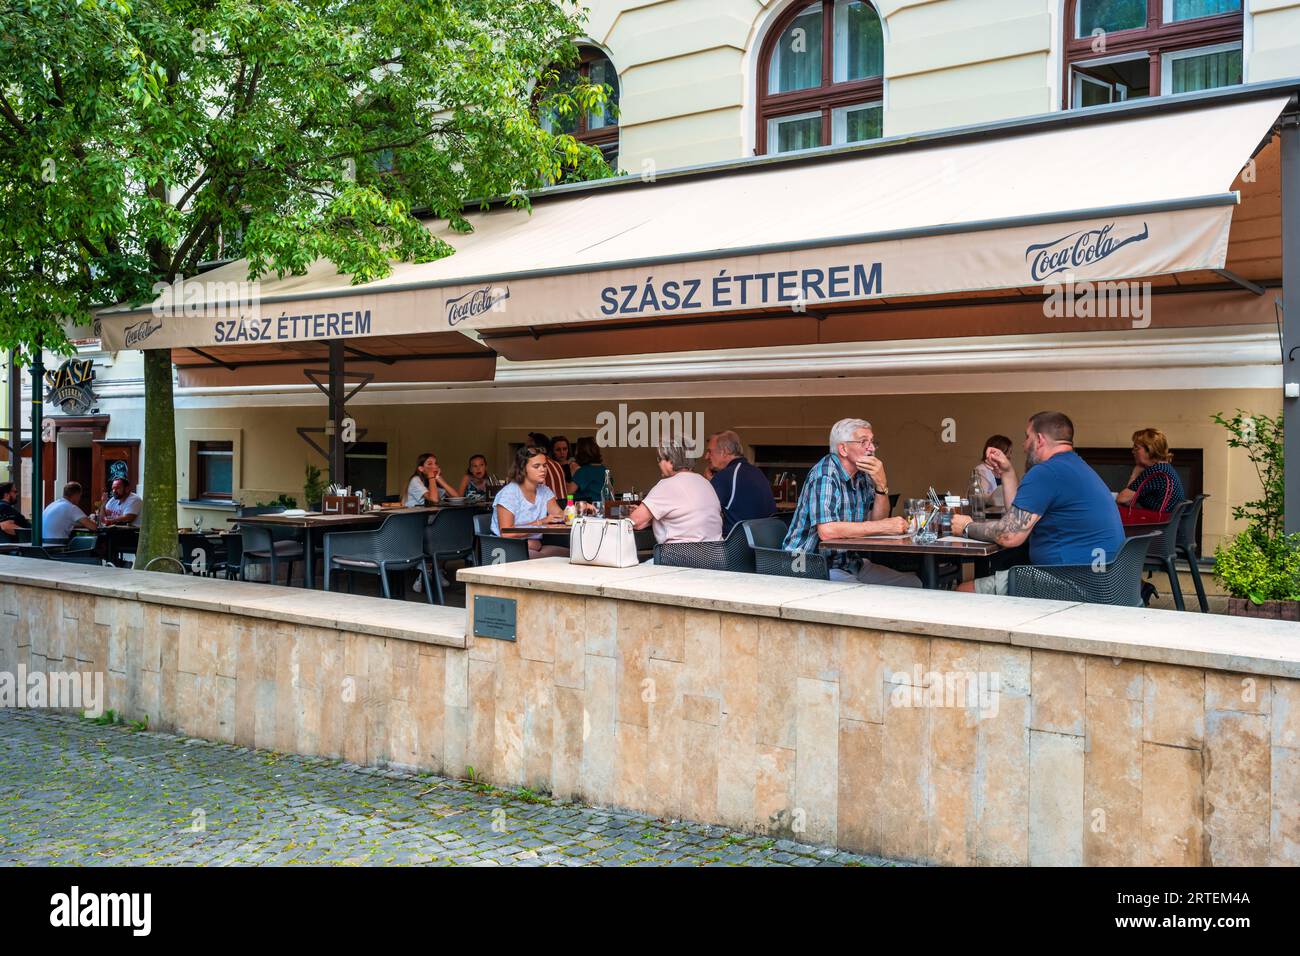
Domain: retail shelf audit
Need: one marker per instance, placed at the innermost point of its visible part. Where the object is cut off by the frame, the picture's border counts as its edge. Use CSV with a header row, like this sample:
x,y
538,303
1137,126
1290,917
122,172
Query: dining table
x,y
948,547
314,522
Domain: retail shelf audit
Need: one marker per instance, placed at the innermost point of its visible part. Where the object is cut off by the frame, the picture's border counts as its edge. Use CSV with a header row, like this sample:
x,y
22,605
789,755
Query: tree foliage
x,y
139,140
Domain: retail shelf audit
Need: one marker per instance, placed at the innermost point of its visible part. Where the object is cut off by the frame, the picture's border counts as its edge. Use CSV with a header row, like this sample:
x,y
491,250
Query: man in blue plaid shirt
x,y
846,495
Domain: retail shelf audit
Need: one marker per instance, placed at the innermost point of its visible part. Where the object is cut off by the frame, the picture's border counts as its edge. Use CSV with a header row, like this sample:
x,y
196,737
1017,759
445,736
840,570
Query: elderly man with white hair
x,y
846,495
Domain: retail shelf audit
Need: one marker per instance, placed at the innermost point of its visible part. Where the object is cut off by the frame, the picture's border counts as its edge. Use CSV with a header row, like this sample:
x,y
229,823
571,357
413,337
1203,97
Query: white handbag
x,y
604,543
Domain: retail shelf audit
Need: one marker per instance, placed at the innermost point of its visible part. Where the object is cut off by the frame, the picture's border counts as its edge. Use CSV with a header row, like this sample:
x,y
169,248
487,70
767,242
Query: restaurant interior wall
x,y
911,430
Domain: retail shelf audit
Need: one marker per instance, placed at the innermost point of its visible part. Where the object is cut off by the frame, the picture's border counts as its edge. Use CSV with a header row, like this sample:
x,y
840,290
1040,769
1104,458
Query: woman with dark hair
x,y
557,479
991,480
560,449
1152,484
526,499
474,485
426,480
588,480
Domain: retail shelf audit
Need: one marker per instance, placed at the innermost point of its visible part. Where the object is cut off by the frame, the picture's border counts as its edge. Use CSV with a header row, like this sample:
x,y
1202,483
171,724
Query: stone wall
x,y
817,731
795,717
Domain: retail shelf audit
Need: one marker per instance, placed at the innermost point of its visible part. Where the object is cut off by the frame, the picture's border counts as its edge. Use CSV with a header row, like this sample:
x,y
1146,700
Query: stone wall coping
x,y
1188,638
404,620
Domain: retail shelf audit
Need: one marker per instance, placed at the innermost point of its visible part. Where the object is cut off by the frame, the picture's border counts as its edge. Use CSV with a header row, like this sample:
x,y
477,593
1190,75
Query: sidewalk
x,y
73,792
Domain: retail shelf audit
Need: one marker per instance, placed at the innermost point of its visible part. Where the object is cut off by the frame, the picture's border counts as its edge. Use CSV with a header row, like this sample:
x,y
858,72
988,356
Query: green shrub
x,y
313,486
1260,567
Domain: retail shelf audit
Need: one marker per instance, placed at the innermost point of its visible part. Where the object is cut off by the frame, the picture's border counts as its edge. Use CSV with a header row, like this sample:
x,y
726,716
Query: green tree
x,y
139,140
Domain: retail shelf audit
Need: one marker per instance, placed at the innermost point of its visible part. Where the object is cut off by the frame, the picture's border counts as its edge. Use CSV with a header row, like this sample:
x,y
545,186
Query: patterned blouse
x,y
1160,487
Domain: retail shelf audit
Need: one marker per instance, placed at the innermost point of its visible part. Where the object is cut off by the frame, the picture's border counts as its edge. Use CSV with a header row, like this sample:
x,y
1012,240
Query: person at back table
x,y
846,495
122,506
560,454
588,481
989,479
1153,484
1061,507
63,515
557,479
427,485
742,489
11,519
681,507
474,486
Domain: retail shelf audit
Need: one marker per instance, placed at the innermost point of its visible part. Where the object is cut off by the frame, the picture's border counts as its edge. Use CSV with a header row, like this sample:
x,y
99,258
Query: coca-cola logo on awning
x,y
1076,250
475,302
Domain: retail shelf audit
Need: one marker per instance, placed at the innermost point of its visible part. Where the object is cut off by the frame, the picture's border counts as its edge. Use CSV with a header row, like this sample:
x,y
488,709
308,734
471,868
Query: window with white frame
x,y
1119,50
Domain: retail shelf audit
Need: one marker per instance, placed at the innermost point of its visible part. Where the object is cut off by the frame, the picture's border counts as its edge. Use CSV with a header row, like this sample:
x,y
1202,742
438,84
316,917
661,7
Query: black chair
x,y
234,554
33,551
1164,549
492,548
190,543
765,537
397,545
449,536
82,544
260,546
1119,584
733,553
1186,547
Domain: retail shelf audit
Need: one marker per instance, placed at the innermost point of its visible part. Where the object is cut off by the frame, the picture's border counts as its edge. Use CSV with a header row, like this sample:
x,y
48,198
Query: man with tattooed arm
x,y
1061,507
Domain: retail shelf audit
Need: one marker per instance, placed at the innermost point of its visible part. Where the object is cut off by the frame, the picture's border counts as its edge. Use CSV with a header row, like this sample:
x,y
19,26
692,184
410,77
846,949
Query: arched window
x,y
597,128
821,76
1124,49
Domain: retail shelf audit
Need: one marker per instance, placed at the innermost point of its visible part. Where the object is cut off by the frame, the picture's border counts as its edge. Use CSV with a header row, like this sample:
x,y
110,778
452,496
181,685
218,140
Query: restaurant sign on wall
x,y
71,386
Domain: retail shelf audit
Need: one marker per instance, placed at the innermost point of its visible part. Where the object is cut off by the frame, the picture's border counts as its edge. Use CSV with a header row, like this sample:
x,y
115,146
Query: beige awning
x,y
428,357
1117,195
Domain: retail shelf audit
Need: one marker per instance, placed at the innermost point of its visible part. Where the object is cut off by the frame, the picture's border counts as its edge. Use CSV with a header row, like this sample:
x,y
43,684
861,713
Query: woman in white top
x,y
426,480
526,499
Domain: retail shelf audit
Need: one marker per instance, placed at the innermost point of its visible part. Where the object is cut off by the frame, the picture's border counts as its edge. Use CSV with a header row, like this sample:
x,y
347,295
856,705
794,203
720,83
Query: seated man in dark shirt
x,y
11,519
1062,507
741,487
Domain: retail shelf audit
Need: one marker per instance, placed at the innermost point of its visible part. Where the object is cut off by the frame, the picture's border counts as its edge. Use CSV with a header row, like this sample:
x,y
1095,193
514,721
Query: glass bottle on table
x,y
975,495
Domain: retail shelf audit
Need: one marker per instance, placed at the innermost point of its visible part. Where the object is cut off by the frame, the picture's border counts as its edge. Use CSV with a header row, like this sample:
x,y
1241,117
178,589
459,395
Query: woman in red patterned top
x,y
1153,484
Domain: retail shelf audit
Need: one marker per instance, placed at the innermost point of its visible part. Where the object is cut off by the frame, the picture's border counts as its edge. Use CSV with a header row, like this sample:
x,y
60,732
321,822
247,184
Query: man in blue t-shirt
x,y
742,489
1062,507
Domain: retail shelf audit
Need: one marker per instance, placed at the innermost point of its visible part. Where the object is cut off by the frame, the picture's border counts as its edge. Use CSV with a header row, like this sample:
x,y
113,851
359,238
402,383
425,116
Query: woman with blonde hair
x,y
1152,484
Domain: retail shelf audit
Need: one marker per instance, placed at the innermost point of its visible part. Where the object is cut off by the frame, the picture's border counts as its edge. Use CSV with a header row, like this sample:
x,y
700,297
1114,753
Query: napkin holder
x,y
341,505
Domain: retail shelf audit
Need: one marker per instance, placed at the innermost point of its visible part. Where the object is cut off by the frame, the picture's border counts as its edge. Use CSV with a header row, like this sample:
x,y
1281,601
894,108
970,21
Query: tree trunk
x,y
158,537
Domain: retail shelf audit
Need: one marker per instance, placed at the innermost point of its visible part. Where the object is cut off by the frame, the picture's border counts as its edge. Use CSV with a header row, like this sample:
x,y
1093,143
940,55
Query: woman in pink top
x,y
681,507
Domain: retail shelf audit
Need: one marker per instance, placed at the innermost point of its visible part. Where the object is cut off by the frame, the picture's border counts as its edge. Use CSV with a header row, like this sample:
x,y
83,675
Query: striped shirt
x,y
830,494
556,479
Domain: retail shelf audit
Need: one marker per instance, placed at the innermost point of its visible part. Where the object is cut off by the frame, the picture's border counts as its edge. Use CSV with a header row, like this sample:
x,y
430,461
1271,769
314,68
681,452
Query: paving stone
x,y
74,792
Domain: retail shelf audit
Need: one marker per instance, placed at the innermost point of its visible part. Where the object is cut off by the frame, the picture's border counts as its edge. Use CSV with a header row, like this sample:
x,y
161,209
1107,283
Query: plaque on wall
x,y
494,617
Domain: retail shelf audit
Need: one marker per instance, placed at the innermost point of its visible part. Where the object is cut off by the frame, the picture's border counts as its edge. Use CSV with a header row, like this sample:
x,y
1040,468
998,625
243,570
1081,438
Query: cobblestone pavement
x,y
76,792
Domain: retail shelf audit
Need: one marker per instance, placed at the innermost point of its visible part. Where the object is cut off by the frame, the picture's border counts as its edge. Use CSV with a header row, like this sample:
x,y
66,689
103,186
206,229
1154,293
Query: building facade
x,y
707,81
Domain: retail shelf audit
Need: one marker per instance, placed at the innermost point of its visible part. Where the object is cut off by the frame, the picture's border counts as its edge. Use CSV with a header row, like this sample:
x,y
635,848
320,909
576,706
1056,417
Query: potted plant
x,y
1260,566
313,488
